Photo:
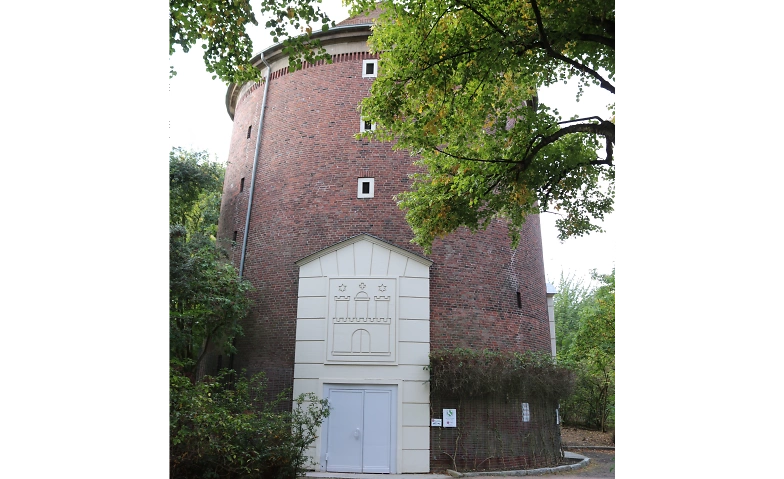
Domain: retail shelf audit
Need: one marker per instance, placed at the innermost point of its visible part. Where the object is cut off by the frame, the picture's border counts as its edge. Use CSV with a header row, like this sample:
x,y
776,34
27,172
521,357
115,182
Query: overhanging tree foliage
x,y
206,296
221,27
457,86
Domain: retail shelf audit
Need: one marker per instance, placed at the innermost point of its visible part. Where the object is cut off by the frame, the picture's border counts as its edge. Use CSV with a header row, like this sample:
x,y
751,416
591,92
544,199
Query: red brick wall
x,y
305,200
491,435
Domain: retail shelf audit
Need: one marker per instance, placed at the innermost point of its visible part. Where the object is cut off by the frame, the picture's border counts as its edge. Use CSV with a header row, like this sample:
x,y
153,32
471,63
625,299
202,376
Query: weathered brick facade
x,y
305,199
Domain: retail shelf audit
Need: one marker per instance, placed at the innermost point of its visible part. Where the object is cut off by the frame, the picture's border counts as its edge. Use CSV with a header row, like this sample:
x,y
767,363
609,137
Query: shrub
x,y
224,429
592,405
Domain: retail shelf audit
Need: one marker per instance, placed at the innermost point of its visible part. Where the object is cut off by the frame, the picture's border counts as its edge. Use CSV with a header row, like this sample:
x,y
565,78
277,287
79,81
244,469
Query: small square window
x,y
366,125
365,187
369,68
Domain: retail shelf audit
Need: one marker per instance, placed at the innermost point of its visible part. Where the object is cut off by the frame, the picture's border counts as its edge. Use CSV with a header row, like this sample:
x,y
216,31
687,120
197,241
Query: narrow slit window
x,y
365,187
519,301
369,68
249,128
235,237
242,184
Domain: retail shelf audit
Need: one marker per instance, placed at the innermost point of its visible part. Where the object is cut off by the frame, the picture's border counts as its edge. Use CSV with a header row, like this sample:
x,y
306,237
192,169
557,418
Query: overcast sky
x,y
198,120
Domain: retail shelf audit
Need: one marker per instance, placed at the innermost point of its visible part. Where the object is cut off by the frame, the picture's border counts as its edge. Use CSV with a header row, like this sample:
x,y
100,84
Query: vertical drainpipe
x,y
255,165
252,185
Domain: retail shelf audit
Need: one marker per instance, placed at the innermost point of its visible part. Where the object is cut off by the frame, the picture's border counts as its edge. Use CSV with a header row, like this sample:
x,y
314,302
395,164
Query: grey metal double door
x,y
360,429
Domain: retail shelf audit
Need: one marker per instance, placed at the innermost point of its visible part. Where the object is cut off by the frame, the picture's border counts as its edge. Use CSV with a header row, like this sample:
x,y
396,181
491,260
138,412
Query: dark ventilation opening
x,y
249,128
368,125
235,240
365,187
369,66
519,301
242,184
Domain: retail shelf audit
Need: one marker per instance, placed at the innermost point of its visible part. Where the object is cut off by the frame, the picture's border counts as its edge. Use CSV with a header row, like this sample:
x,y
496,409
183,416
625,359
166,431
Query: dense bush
x,y
207,298
225,429
592,404
585,329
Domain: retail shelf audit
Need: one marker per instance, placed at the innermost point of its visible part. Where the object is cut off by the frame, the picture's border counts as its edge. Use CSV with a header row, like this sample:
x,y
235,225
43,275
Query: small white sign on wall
x,y
450,417
526,412
435,422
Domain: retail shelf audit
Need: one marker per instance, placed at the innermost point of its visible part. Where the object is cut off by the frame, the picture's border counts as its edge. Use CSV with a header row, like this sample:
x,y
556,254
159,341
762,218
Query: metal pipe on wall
x,y
252,184
255,165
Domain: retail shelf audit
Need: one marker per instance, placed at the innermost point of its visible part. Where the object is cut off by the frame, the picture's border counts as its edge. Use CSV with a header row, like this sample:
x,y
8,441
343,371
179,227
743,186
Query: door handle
x,y
356,433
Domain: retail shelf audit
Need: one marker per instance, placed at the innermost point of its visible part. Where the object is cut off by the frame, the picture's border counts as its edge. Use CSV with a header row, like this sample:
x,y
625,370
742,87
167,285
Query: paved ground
x,y
601,466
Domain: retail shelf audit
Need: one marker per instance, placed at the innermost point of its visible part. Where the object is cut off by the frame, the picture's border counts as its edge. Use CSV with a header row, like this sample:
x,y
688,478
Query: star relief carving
x,y
362,285
382,288
342,287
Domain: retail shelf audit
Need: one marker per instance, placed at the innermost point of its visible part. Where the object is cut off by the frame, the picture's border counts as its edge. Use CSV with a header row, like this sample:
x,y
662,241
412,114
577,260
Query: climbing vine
x,y
472,374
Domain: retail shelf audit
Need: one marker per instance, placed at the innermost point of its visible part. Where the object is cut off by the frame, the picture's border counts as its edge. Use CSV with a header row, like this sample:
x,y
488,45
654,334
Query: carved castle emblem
x,y
361,324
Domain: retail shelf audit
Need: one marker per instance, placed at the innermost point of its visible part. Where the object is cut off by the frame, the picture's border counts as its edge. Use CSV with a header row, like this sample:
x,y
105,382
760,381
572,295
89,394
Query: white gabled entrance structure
x,y
363,339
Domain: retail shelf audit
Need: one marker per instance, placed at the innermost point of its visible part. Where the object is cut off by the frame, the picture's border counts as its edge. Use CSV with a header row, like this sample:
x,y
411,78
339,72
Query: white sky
x,y
198,120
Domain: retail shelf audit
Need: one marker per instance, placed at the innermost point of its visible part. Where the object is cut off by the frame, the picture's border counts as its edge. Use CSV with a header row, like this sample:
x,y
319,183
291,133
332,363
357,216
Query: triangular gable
x,y
366,238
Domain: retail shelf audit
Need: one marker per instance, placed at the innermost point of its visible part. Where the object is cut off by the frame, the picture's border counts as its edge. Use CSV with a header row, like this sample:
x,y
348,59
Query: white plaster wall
x,y
551,314
414,308
414,330
367,257
416,426
359,372
413,353
551,291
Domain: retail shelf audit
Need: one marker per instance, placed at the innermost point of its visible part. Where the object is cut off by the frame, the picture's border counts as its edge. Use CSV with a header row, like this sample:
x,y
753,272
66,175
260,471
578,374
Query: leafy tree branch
x,y
220,27
460,86
548,47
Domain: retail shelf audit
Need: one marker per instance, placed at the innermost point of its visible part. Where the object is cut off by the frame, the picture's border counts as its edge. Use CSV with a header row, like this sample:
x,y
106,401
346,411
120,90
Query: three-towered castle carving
x,y
362,316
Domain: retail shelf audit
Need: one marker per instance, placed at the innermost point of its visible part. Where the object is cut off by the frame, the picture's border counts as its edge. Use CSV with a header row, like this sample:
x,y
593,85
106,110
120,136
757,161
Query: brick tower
x,y
345,306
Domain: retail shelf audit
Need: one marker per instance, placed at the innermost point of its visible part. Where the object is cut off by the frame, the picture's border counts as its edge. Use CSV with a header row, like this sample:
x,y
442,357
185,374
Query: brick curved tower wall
x,y
305,200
